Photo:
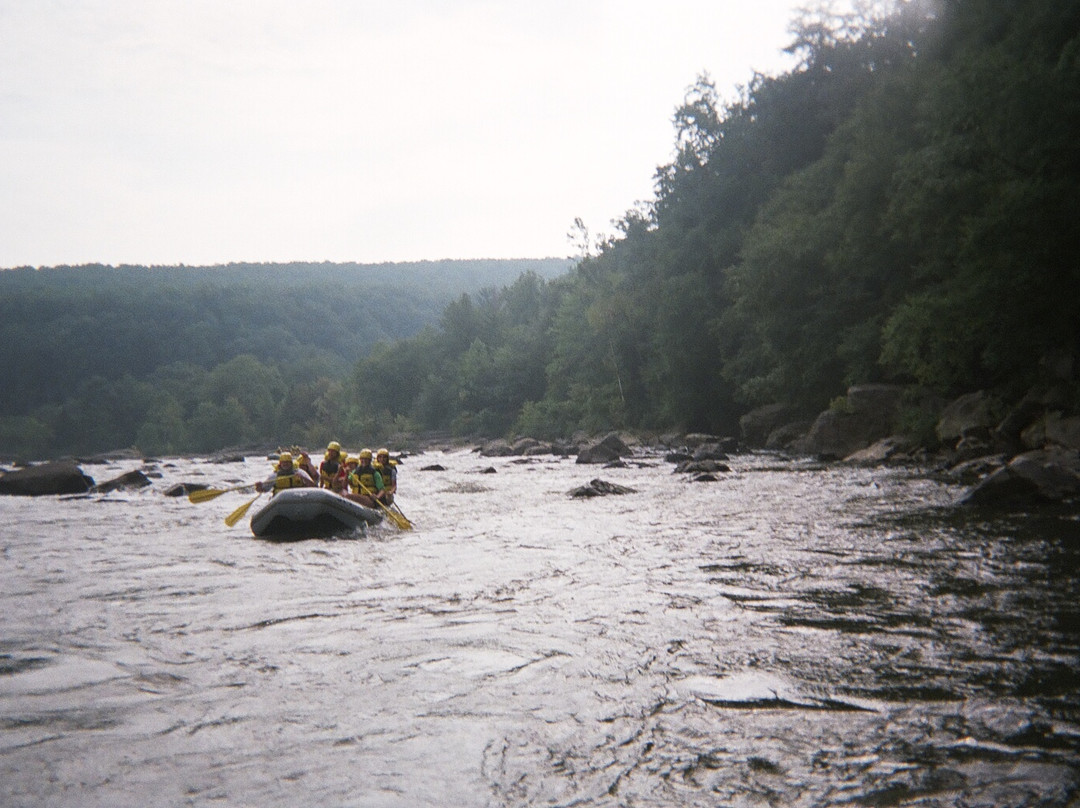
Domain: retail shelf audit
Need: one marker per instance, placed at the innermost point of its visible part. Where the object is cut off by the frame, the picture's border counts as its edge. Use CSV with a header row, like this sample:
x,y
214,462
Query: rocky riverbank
x,y
1025,455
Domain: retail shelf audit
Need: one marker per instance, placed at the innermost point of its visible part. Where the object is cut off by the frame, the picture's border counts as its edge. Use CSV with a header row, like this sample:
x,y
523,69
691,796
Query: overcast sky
x,y
209,131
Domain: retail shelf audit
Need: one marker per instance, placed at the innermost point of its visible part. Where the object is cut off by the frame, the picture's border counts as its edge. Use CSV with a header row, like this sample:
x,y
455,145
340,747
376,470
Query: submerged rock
x,y
701,467
183,489
132,479
599,488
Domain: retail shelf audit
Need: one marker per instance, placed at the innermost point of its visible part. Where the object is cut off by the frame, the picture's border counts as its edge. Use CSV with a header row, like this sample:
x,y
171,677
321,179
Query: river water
x,y
790,635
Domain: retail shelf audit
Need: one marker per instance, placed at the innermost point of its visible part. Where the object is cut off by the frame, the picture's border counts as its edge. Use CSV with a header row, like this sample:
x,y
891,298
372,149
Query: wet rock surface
x,y
46,479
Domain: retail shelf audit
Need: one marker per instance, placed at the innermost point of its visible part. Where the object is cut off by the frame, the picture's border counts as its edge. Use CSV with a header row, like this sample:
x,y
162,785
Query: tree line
x,y
897,207
194,359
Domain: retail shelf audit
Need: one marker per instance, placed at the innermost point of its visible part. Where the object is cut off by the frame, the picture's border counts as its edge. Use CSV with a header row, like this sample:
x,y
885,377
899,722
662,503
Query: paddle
x,y
397,508
238,514
207,494
397,519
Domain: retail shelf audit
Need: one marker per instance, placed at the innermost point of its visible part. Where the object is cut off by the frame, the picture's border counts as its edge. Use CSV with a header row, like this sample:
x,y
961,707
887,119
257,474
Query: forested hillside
x,y
900,207
198,358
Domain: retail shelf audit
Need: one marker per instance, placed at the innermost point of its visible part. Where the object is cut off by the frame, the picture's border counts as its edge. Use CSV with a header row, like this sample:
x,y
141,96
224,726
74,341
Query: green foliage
x,y
898,207
181,359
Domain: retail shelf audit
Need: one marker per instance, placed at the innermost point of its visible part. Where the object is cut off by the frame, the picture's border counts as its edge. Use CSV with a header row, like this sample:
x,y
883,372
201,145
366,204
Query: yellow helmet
x,y
349,460
365,454
284,457
383,453
333,446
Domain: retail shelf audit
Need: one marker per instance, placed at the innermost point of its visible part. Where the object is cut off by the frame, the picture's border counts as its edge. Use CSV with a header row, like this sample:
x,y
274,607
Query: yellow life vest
x,y
368,478
290,480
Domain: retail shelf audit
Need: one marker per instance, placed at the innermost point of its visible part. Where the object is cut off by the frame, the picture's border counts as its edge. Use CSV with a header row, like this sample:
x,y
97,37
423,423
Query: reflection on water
x,y
793,634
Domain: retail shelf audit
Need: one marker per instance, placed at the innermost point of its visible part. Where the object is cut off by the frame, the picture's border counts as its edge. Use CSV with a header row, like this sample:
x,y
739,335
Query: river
x,y
793,634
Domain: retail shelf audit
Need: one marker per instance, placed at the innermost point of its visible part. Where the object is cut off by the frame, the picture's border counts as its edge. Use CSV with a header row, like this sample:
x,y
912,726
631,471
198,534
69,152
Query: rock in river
x,y
59,477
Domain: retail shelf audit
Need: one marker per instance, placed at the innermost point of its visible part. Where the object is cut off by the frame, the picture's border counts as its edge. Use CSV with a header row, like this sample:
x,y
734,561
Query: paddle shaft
x,y
401,522
207,494
238,514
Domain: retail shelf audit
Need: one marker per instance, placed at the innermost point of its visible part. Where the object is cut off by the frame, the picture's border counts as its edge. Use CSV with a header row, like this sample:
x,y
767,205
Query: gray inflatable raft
x,y
302,513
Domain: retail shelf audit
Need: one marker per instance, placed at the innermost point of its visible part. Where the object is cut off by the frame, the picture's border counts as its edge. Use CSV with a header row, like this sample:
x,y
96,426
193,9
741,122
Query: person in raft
x,y
330,469
365,482
388,469
348,466
305,465
286,475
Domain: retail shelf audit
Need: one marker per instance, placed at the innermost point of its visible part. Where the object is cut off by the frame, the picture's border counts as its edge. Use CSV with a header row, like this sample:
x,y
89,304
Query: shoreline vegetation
x,y
1028,457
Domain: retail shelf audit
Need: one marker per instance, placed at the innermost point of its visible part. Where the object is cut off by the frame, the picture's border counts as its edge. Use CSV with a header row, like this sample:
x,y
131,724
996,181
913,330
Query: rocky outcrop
x,y
758,424
869,413
521,447
971,416
1031,479
45,479
610,449
880,452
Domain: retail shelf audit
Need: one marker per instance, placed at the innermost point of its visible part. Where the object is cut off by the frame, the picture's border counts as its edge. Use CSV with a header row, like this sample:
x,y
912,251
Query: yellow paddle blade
x,y
396,518
205,495
238,514
400,521
401,513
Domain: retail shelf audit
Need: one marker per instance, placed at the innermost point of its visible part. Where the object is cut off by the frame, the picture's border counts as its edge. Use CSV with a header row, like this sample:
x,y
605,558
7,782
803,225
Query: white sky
x,y
207,131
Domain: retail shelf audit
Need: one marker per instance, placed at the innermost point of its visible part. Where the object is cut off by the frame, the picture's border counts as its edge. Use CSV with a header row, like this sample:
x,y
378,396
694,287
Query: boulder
x,y
230,456
784,436
1029,479
60,477
608,450
711,451
1062,431
597,453
758,424
880,452
522,446
970,472
497,448
183,489
599,488
974,414
132,479
869,413
701,467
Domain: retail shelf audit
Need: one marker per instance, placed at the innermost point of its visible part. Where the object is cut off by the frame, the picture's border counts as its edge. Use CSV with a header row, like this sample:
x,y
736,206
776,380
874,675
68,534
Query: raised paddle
x,y
238,514
207,494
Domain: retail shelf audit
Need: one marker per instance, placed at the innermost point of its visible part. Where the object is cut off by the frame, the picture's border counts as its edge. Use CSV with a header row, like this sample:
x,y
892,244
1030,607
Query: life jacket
x,y
366,478
388,472
328,471
288,479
